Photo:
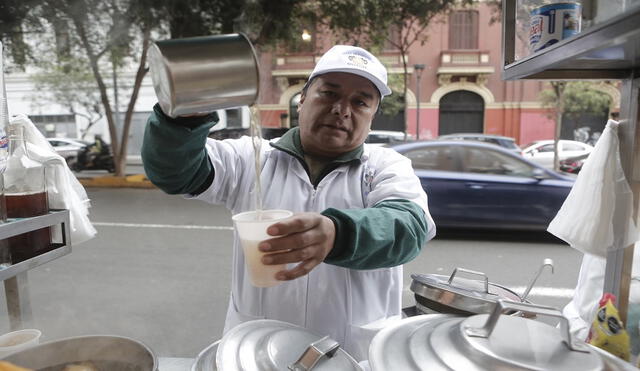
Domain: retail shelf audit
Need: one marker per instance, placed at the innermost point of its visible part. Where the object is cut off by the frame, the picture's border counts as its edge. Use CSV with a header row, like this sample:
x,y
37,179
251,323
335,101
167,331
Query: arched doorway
x,y
293,110
461,111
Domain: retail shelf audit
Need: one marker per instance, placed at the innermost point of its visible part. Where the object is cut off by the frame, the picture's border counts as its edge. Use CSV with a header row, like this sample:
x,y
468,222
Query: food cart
x,y
607,48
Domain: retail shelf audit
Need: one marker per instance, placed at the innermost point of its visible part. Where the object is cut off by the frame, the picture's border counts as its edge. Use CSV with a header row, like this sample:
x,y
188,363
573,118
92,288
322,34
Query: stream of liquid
x,y
255,130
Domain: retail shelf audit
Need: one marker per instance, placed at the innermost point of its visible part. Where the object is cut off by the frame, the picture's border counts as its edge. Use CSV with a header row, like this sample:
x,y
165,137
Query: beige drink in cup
x,y
252,229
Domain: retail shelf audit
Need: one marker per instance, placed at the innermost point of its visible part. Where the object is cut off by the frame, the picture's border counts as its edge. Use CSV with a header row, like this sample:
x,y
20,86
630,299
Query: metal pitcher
x,y
204,74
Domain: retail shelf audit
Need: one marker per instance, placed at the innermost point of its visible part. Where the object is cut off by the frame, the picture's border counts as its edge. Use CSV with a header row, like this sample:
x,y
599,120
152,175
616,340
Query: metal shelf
x,y
14,227
610,50
15,276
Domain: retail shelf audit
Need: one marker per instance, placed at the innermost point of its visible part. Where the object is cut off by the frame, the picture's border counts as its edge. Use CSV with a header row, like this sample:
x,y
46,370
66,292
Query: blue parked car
x,y
477,185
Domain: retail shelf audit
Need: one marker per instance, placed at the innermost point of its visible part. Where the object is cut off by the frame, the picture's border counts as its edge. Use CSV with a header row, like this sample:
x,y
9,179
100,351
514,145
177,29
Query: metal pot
x,y
206,359
269,345
436,293
204,74
442,342
105,352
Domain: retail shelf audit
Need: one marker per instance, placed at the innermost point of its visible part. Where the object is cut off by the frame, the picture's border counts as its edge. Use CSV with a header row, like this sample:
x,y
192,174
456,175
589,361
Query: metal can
x,y
204,74
553,22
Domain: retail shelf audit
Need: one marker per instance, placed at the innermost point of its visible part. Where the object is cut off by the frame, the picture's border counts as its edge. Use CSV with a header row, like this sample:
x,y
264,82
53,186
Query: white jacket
x,y
330,300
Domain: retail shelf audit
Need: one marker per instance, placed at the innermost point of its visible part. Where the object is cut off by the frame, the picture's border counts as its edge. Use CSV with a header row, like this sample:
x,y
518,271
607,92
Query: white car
x,y
67,148
383,137
541,152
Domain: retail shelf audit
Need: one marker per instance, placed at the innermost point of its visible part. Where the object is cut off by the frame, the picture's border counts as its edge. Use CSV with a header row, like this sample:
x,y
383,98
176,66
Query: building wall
x,y
512,108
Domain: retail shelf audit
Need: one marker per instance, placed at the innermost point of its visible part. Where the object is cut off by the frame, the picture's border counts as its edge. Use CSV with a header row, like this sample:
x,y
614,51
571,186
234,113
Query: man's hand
x,y
306,238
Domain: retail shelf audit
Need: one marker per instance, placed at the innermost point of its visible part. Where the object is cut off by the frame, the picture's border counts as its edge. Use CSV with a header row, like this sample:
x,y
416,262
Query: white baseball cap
x,y
352,59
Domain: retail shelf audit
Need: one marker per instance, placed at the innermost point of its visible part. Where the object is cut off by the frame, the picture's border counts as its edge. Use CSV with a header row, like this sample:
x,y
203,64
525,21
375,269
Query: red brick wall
x,y
271,118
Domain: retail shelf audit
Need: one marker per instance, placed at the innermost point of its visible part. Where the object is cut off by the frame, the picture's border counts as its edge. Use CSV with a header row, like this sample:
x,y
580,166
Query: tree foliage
x,y
73,37
72,86
572,99
576,97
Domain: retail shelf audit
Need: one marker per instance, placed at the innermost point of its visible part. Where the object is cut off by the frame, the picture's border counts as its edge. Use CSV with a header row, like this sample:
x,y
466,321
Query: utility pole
x,y
418,68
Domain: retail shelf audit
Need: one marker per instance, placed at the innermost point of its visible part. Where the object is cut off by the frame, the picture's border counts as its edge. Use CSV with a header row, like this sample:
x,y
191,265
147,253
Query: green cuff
x,y
386,235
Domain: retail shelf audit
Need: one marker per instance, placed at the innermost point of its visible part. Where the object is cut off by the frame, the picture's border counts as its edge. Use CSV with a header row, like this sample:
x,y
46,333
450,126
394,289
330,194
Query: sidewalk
x,y
134,178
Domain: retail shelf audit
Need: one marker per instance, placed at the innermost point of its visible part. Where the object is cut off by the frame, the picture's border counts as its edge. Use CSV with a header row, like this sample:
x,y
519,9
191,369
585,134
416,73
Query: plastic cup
x,y
18,340
252,229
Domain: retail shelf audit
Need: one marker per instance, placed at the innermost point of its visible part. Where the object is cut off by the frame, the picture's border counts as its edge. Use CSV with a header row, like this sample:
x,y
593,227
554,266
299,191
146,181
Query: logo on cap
x,y
358,61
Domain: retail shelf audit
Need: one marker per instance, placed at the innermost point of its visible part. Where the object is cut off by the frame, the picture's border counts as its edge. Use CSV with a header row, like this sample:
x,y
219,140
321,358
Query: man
x,y
360,211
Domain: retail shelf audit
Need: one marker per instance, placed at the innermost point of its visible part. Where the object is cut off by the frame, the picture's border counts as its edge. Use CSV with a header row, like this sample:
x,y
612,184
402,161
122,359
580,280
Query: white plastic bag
x,y
63,189
600,196
582,308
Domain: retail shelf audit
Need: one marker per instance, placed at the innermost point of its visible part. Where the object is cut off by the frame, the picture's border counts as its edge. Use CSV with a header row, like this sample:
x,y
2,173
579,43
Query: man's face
x,y
336,113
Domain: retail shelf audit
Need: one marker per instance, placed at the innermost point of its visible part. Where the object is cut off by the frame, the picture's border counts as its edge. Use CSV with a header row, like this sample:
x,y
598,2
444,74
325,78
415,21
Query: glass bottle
x,y
25,196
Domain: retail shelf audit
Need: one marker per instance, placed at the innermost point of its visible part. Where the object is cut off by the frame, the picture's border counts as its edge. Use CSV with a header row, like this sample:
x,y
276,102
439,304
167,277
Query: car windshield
x,y
433,158
375,138
531,144
485,161
509,144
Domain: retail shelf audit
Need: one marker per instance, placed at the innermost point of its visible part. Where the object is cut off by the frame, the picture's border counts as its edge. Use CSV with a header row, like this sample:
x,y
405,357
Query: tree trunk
x,y
104,98
558,87
142,70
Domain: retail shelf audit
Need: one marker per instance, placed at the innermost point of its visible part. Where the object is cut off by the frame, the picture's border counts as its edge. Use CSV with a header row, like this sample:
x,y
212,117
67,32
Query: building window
x,y
52,119
55,125
234,118
293,110
393,40
463,30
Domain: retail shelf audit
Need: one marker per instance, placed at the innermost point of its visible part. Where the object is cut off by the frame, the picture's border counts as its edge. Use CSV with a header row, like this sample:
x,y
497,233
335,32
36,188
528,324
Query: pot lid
x,y
389,349
270,345
451,294
482,342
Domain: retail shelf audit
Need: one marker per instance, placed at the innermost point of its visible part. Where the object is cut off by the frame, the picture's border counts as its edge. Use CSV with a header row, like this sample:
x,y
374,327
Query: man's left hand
x,y
306,238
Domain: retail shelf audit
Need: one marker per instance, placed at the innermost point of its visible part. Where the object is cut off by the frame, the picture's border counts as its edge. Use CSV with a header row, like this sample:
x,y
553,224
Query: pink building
x,y
461,89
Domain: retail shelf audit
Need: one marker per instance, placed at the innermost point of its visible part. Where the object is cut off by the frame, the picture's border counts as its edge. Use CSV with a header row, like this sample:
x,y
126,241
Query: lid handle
x,y
547,262
325,347
503,306
486,279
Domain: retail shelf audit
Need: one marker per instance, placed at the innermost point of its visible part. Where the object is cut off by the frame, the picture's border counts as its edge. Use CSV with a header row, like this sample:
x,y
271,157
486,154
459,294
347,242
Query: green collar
x,y
291,144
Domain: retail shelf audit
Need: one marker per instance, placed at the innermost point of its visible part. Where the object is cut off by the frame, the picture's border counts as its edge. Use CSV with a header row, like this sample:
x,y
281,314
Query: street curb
x,y
110,181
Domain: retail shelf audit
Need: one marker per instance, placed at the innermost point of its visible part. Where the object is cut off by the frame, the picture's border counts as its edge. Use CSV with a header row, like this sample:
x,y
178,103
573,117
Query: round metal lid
x,y
450,294
389,349
481,342
515,343
268,345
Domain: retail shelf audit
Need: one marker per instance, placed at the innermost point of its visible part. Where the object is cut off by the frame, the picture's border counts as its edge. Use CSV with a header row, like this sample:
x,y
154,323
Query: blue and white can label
x,y
553,22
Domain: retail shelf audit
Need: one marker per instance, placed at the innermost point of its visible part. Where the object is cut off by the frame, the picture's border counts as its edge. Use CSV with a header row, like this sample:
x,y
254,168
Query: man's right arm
x,y
174,154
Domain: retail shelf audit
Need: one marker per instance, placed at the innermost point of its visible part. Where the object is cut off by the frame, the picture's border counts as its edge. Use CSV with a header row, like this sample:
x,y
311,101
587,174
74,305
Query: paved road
x,y
159,271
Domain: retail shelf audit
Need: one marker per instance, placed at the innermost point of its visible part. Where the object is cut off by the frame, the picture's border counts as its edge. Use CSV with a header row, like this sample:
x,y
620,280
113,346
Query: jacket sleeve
x,y
390,233
174,154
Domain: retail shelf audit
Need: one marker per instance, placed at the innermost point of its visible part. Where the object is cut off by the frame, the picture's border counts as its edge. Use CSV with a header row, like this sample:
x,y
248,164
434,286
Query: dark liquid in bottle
x,y
26,246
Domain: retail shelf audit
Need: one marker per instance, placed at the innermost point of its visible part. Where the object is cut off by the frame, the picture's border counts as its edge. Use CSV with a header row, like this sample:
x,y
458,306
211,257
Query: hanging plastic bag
x,y
64,191
600,195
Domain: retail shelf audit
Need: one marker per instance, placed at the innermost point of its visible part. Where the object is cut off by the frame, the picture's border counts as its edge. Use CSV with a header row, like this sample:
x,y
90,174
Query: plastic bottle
x,y
26,196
